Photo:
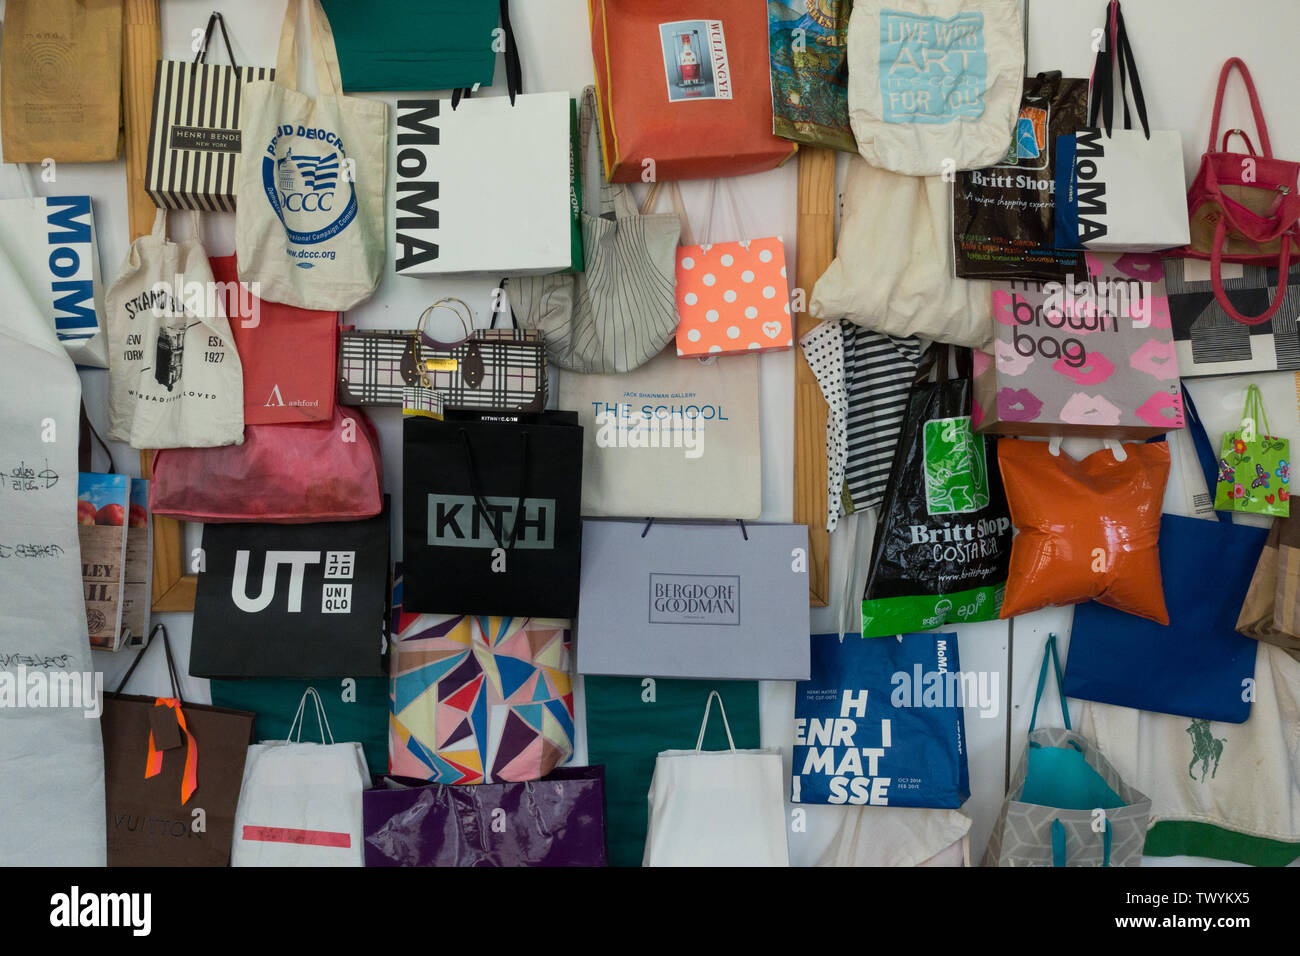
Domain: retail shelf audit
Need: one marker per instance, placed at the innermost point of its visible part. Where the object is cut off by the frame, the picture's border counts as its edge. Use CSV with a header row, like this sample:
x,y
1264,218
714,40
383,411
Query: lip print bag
x,y
309,220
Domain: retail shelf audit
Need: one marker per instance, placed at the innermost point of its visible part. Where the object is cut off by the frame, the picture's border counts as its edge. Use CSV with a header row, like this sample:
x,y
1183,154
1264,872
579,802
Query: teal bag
x,y
630,720
423,45
275,701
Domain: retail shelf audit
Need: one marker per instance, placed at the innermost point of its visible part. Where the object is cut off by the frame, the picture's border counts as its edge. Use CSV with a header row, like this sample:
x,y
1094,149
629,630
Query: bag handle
x,y
514,67
325,58
299,721
480,502
1255,410
466,318
215,20
171,663
1260,126
1050,652
613,198
1216,275
1058,844
1117,58
704,724
1204,450
1244,135
736,215
687,237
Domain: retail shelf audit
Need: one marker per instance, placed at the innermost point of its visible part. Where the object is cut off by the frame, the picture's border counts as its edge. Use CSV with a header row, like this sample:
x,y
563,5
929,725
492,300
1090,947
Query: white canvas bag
x,y
309,216
893,267
717,808
174,378
300,804
934,85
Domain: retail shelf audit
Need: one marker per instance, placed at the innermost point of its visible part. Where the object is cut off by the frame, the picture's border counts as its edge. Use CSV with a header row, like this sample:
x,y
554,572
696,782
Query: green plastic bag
x,y
631,719
1254,465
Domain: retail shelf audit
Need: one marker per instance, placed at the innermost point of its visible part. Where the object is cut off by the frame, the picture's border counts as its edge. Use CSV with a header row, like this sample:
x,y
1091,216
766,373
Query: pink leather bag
x,y
281,474
1244,208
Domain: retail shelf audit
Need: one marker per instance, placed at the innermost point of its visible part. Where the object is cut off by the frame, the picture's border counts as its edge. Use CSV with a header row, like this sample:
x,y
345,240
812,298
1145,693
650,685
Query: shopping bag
x,y
287,355
942,549
61,81
292,600
1254,465
490,515
53,757
685,88
810,71
1119,190
52,242
478,699
309,218
556,821
717,807
356,707
174,376
300,803
711,600
676,438
1003,225
165,757
881,723
1269,612
1049,817
195,132
934,85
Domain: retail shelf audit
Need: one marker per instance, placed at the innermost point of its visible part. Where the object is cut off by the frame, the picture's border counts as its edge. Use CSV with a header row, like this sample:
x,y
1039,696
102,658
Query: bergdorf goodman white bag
x,y
300,803
717,808
893,268
174,378
934,85
309,216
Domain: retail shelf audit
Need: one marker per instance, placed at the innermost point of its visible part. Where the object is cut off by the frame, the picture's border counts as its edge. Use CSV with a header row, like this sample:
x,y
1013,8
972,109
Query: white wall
x,y
1180,45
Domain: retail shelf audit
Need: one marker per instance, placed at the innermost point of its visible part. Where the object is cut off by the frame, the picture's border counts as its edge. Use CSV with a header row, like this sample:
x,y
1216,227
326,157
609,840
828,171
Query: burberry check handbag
x,y
490,369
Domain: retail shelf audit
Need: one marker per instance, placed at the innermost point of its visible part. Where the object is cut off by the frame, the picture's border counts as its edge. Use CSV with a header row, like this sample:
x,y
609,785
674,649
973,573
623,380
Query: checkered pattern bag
x,y
375,365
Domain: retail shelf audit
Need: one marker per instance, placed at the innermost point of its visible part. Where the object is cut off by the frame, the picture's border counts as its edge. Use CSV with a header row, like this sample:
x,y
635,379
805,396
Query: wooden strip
x,y
815,250
141,47
173,589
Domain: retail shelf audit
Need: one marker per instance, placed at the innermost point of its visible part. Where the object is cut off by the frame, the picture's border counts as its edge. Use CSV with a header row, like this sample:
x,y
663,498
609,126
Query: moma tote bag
x,y
934,85
174,378
61,80
309,224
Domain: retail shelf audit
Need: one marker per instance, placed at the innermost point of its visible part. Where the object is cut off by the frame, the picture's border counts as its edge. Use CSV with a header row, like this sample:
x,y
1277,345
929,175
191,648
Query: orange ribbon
x,y
154,761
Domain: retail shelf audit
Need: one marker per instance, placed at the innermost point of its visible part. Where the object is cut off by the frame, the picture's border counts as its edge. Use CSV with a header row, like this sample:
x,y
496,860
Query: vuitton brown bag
x,y
1271,611
61,80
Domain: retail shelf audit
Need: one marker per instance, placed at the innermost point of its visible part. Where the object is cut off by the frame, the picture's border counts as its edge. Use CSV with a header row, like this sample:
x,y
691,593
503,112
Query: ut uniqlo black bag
x,y
293,600
466,480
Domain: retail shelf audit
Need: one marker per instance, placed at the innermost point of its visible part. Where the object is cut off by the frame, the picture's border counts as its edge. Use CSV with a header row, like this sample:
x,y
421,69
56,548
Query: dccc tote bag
x,y
309,221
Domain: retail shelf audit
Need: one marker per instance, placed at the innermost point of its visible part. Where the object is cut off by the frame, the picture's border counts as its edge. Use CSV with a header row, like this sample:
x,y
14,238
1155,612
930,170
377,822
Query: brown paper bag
x,y
1271,611
61,80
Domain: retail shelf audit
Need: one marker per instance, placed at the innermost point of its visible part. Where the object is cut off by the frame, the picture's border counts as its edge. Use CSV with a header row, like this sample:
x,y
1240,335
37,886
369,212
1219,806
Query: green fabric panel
x,y
275,700
625,734
413,44
1187,838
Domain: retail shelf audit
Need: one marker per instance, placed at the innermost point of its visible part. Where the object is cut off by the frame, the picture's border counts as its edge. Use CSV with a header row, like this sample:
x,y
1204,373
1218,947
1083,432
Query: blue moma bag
x,y
880,723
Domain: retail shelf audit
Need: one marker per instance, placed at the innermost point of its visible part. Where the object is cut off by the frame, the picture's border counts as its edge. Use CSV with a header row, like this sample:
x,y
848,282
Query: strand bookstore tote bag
x,y
292,600
309,222
490,515
61,80
718,807
1119,190
195,132
556,821
300,804
620,311
174,377
677,438
1218,790
1244,208
52,242
1049,815
880,723
716,601
165,757
810,102
53,757
935,82
1254,470
685,88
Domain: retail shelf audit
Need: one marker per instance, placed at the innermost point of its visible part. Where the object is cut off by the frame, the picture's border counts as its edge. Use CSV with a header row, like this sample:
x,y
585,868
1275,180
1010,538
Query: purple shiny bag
x,y
556,821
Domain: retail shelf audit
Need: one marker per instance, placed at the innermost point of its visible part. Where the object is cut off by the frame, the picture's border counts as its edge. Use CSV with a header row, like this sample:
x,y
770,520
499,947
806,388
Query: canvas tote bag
x,y
174,378
309,217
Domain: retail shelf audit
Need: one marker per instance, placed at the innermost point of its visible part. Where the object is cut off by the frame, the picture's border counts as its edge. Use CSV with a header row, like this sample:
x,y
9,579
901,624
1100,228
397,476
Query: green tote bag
x,y
1254,465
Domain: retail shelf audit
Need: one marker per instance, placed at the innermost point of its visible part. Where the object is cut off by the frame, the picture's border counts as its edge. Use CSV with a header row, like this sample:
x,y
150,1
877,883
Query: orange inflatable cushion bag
x,y
1087,529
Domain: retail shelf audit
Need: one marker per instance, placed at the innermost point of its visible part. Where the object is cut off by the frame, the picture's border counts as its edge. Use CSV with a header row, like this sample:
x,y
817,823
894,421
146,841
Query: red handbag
x,y
282,474
1244,208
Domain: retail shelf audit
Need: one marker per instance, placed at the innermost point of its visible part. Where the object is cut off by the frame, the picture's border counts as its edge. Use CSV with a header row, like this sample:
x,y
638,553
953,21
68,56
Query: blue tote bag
x,y
1198,666
880,723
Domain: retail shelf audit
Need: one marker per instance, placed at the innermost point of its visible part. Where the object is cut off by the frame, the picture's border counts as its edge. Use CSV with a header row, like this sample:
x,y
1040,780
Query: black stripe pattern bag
x,y
194,136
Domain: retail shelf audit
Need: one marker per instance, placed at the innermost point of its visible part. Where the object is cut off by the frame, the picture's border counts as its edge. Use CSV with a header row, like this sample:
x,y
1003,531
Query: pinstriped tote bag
x,y
622,311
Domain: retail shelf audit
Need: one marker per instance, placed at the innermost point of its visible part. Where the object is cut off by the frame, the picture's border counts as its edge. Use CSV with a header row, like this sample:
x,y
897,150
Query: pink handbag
x,y
1243,208
281,474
